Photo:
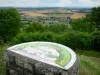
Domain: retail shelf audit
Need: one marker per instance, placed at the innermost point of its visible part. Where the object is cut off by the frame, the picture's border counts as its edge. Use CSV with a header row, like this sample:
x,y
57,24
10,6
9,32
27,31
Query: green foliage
x,y
9,23
36,36
34,27
57,28
96,40
76,40
83,25
47,36
94,17
1,41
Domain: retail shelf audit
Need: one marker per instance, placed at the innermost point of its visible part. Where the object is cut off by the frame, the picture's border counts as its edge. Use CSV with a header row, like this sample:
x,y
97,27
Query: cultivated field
x,y
78,15
32,13
38,13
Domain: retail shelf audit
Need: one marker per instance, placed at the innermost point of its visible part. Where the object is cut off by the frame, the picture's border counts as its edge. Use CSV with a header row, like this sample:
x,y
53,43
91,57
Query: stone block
x,y
41,58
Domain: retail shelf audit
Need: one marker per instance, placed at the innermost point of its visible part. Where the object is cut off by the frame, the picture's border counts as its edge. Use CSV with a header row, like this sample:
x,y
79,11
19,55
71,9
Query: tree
x,y
96,40
9,23
34,27
95,16
58,28
83,24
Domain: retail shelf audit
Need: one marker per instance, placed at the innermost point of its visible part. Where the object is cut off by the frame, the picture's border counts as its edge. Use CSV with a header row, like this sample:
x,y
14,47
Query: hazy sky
x,y
49,3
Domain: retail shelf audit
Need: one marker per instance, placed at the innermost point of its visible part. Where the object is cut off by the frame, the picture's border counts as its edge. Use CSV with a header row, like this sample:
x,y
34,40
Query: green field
x,y
2,65
89,65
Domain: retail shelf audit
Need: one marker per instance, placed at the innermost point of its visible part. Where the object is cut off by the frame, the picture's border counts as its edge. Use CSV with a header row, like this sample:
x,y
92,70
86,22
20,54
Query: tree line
x,y
81,34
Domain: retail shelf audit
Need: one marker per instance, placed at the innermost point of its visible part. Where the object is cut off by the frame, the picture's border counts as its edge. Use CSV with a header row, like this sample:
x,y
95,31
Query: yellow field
x,y
78,15
32,14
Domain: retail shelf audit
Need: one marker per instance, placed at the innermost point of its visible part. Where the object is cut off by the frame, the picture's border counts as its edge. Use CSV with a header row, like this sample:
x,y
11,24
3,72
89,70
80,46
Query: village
x,y
51,16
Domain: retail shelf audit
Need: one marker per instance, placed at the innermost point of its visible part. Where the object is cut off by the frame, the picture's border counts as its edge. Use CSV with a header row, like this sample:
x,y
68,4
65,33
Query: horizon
x,y
48,7
51,3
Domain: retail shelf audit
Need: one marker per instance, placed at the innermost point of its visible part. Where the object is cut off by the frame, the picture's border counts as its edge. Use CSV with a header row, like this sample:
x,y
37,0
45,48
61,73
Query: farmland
x,y
45,13
78,15
51,16
32,13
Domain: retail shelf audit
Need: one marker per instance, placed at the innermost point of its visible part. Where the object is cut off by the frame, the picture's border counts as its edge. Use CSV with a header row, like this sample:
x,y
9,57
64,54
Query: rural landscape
x,y
51,15
77,28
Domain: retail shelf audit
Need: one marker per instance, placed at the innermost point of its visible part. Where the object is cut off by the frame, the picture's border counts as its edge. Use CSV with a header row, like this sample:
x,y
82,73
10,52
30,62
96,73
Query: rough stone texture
x,y
17,64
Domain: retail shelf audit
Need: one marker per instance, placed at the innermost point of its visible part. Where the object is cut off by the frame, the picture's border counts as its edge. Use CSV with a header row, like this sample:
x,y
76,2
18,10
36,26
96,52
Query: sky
x,y
49,3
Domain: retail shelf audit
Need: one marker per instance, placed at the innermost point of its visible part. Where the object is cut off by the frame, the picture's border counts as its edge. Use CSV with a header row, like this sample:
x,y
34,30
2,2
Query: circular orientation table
x,y
41,58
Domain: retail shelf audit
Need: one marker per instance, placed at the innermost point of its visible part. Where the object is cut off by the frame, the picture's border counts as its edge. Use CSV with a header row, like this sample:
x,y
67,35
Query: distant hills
x,y
44,8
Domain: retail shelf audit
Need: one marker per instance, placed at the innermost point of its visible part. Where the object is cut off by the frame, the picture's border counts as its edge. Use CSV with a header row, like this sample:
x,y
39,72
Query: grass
x,y
89,62
2,66
2,63
89,65
90,53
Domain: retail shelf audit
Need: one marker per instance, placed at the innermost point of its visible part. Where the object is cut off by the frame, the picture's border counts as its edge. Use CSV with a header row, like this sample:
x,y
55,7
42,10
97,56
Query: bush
x,y
47,36
76,40
34,27
57,28
83,25
37,36
96,40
